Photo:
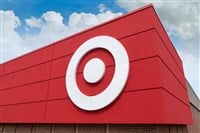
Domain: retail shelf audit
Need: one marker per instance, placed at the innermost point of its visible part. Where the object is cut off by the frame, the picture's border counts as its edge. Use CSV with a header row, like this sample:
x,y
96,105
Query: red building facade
x,y
33,87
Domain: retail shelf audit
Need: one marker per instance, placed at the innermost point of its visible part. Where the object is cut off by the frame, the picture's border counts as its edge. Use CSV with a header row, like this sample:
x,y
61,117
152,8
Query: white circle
x,y
94,70
117,83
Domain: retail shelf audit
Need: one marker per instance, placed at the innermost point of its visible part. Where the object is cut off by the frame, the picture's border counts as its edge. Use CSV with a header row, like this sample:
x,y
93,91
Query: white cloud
x,y
80,21
10,40
191,70
33,22
52,17
50,27
9,20
181,20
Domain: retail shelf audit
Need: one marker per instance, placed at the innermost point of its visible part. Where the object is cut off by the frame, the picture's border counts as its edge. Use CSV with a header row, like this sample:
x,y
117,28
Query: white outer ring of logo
x,y
117,83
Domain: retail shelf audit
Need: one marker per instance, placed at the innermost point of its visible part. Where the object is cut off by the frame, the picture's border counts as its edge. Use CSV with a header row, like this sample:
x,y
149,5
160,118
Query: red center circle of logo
x,y
96,88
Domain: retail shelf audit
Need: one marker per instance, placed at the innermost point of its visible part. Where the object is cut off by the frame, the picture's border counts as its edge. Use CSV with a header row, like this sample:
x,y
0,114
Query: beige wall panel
x,y
132,129
24,128
42,128
61,128
90,128
162,129
9,128
195,128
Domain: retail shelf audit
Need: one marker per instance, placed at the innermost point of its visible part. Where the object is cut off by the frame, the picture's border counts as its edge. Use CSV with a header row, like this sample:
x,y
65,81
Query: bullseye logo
x,y
94,71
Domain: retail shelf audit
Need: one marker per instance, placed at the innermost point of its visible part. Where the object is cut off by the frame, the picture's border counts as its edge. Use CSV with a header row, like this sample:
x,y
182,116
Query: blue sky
x,y
26,8
28,22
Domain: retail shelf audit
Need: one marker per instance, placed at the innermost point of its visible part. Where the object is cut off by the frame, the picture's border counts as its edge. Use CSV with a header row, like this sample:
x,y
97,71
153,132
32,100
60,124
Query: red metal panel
x,y
1,83
163,53
131,106
26,93
24,113
171,64
171,84
176,111
33,58
1,69
1,113
59,66
34,74
113,114
57,89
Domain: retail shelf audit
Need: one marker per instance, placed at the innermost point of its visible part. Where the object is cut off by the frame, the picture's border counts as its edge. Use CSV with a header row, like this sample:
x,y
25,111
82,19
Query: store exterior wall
x,y
111,128
34,88
142,68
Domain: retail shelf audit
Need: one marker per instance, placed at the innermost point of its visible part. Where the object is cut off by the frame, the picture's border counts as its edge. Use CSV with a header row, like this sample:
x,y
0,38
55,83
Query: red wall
x,y
32,87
